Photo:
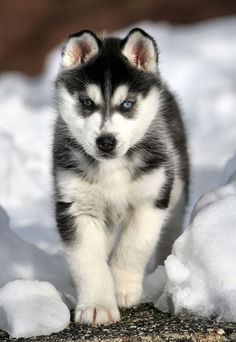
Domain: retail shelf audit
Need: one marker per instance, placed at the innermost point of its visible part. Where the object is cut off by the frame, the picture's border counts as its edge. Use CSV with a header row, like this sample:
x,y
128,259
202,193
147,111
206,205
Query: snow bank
x,y
201,272
20,259
31,308
25,141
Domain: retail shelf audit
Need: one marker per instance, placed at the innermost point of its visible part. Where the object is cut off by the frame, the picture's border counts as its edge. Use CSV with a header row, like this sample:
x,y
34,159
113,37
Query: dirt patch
x,y
144,323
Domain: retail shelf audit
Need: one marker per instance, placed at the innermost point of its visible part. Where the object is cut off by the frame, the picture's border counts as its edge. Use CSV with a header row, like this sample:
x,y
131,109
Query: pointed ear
x,y
140,49
80,48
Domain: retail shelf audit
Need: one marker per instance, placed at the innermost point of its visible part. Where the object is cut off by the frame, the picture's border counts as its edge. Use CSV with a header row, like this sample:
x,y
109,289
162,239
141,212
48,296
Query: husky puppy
x,y
120,168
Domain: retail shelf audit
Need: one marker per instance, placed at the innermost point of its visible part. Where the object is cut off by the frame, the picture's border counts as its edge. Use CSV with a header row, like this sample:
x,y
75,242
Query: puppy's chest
x,y
110,190
116,189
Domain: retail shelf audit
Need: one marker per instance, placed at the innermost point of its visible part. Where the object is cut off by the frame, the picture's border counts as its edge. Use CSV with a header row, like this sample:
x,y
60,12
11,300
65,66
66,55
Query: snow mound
x,y
22,260
201,272
31,308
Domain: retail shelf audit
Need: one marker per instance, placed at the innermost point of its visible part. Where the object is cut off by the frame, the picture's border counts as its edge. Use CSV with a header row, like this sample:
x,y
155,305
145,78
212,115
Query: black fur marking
x,y
153,156
176,131
107,93
65,222
108,62
64,151
83,110
162,202
79,34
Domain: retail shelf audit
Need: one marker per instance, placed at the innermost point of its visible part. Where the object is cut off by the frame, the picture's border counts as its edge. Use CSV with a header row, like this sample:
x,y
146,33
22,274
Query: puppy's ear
x,y
80,48
140,49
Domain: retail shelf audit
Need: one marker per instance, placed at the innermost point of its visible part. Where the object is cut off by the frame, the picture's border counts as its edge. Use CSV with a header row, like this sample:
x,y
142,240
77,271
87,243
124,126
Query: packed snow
x,y
21,259
200,274
198,62
24,301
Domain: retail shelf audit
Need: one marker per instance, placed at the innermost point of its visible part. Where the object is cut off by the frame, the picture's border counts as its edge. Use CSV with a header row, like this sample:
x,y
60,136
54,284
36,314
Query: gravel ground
x,y
144,323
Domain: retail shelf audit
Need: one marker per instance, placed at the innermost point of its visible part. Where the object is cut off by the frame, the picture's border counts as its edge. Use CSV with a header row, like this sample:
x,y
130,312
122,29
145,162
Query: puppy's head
x,y
107,90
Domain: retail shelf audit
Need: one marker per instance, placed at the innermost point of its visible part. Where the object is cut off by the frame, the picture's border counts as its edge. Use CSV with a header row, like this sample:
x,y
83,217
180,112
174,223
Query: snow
x,y
33,306
28,262
198,63
201,272
30,308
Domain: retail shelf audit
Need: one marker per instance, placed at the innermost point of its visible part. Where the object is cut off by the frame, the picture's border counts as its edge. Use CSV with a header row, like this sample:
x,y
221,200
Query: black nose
x,y
106,143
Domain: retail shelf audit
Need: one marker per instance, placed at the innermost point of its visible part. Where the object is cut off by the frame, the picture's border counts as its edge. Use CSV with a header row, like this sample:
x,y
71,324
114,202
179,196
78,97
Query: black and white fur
x,y
112,87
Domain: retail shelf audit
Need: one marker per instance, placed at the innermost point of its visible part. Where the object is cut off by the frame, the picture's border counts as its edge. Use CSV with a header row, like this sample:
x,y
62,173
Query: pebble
x,y
232,337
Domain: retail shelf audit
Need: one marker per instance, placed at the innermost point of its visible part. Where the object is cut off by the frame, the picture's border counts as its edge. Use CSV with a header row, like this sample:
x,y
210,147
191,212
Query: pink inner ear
x,y
140,54
85,50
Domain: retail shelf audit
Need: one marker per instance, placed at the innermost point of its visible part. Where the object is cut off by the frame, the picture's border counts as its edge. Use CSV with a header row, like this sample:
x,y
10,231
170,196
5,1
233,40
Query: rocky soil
x,y
144,323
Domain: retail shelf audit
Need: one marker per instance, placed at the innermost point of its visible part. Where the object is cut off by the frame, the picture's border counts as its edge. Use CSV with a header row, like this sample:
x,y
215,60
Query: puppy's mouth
x,y
118,152
106,155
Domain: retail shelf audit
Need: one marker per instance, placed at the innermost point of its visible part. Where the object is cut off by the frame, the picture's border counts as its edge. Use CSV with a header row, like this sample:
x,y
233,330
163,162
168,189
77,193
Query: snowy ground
x,y
198,63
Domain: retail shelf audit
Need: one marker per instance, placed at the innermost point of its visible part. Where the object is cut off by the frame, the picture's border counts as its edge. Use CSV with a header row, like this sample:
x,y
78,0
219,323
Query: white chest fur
x,y
111,187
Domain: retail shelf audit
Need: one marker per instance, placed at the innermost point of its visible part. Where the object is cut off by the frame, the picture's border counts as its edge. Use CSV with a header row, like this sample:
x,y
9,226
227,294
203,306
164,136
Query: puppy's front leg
x,y
133,251
87,255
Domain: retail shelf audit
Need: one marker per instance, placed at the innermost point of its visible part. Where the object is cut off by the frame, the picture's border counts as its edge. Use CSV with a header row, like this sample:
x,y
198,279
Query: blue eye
x,y
87,103
127,105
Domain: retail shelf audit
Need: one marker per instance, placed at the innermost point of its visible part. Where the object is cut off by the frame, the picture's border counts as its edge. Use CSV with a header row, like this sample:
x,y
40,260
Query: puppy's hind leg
x,y
171,231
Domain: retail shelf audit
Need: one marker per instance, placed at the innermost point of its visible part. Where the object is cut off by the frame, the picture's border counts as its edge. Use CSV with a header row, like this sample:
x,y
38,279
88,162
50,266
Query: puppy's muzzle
x,y
106,143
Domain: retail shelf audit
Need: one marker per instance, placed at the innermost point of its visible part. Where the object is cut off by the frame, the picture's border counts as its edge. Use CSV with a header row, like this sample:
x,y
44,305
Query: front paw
x,y
97,314
128,288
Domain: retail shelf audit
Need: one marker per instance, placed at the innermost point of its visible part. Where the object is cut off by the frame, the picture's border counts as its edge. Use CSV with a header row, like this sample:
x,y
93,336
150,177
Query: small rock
x,y
232,337
229,328
220,332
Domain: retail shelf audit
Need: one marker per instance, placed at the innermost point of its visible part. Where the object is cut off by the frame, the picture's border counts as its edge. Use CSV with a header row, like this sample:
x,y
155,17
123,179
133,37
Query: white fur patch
x,y
147,187
94,92
120,95
66,105
85,130
109,187
129,131
177,191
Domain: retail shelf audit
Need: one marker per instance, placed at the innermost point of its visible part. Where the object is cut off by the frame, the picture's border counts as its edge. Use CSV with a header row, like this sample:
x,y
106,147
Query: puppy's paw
x,y
97,314
128,288
128,297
